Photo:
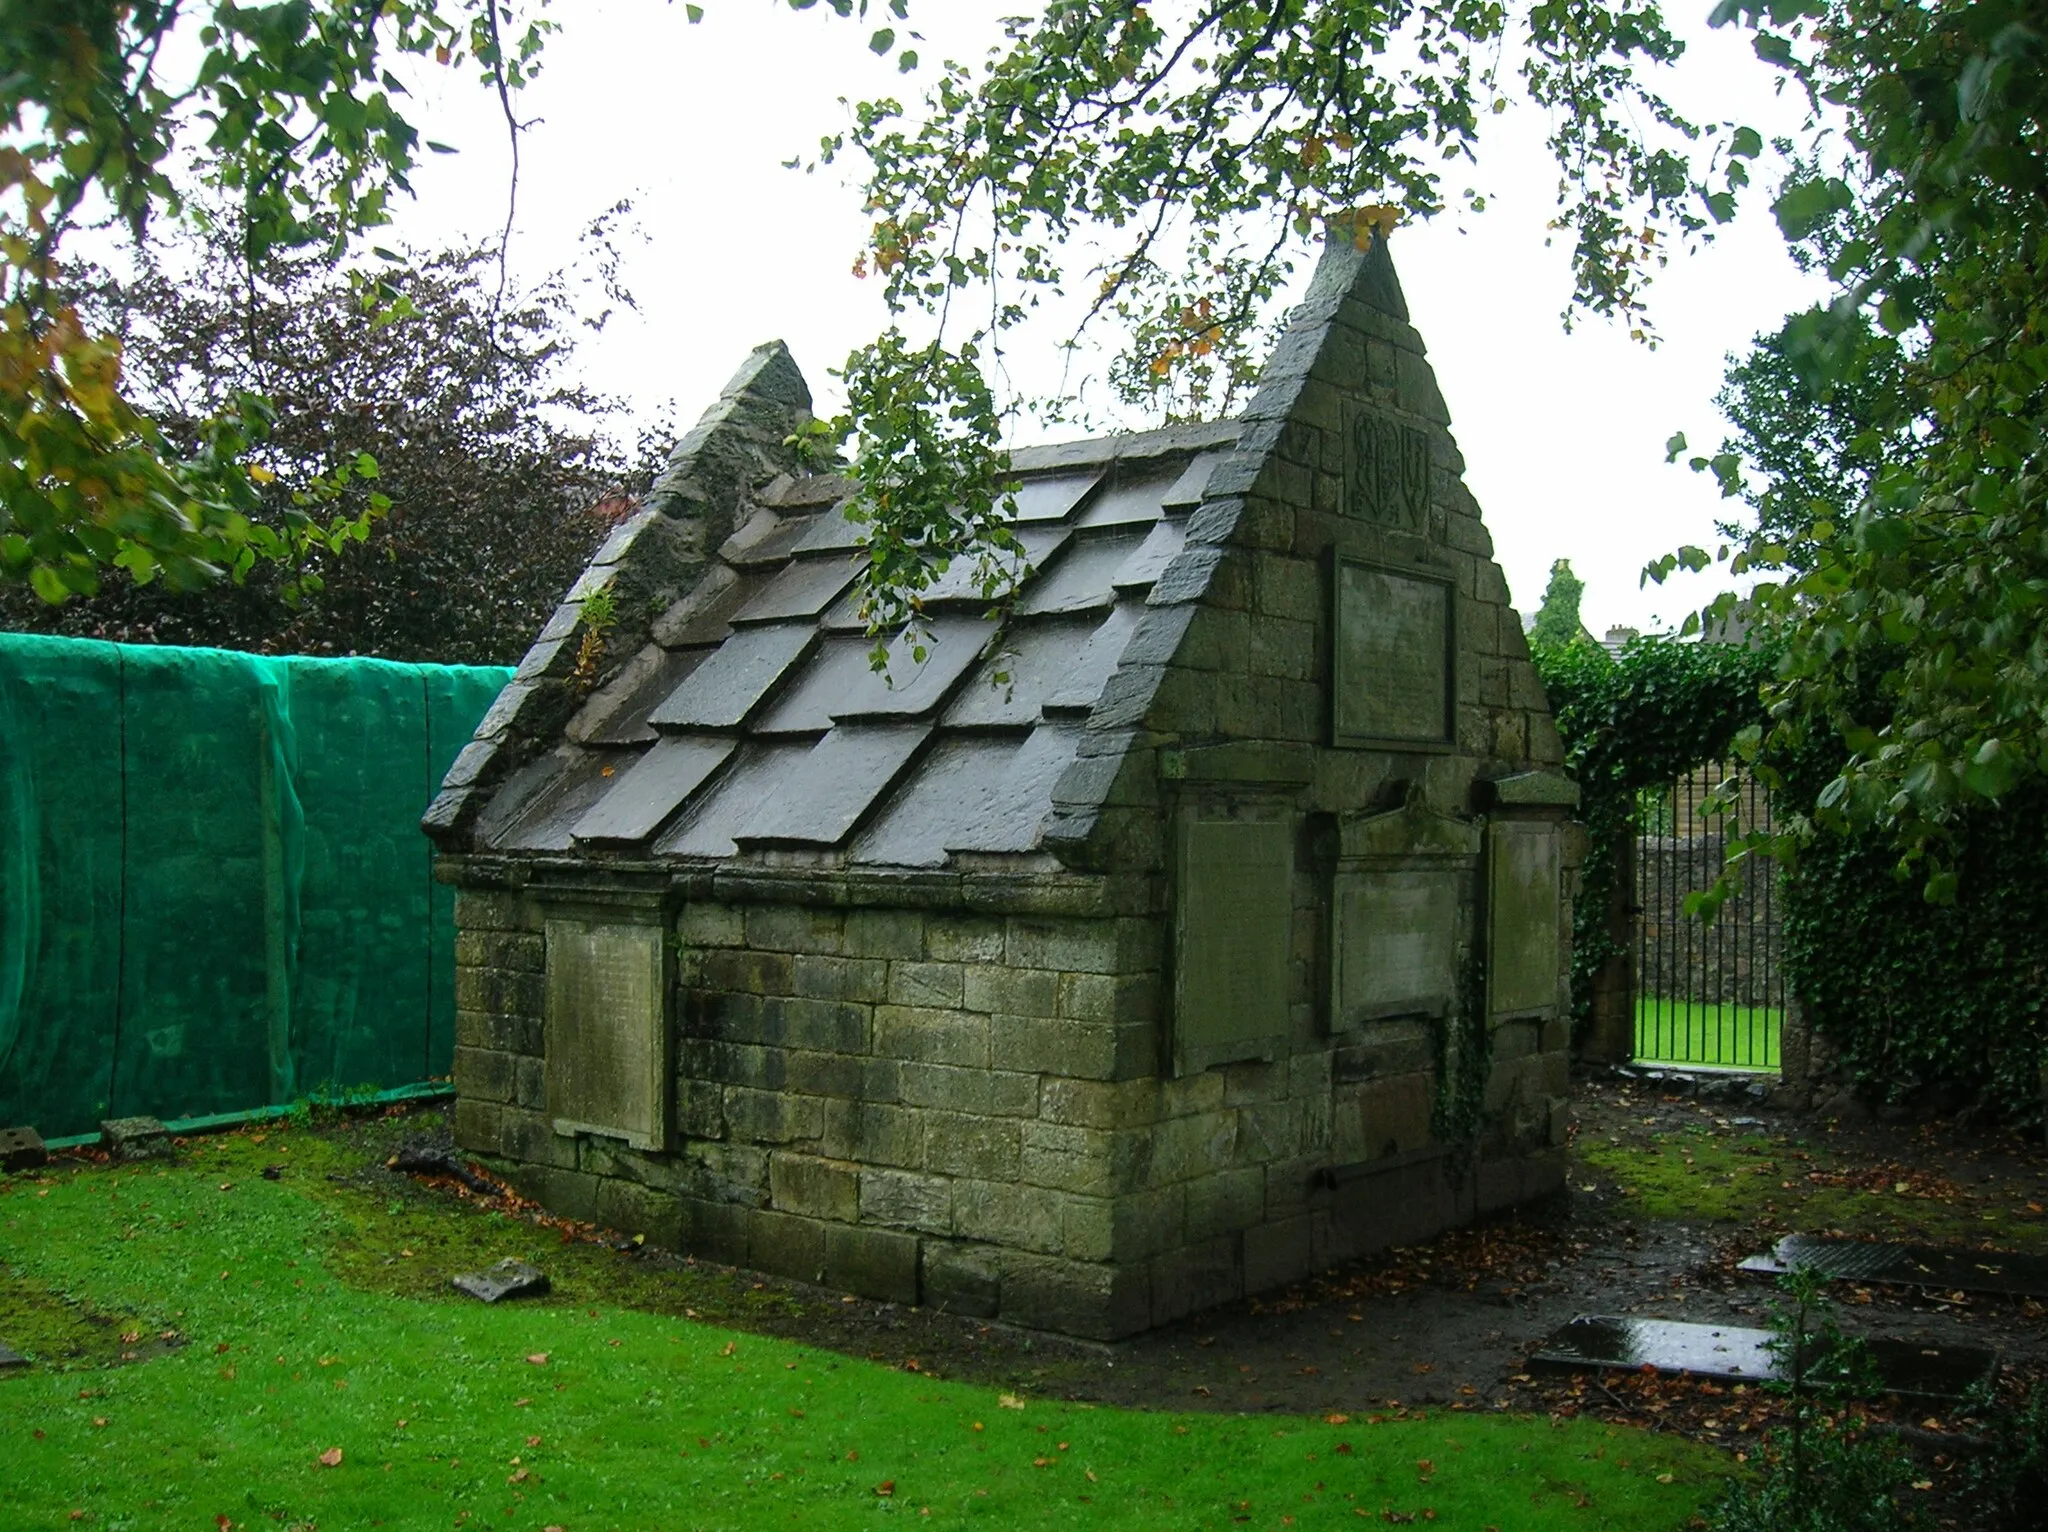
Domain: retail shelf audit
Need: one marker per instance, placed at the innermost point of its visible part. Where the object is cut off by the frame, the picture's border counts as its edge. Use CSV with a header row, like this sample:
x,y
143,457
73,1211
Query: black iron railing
x,y
1706,994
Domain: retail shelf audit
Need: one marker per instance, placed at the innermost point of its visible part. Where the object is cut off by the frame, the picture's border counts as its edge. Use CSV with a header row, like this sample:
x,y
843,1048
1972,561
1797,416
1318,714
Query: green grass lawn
x,y
208,1340
1725,1036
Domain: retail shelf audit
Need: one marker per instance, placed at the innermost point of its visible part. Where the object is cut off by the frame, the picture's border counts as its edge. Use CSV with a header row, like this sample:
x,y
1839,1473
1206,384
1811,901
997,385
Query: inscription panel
x,y
1233,940
1523,904
607,1031
1394,671
1396,944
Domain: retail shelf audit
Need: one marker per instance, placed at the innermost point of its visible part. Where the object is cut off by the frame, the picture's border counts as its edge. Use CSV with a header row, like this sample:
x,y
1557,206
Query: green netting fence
x,y
214,892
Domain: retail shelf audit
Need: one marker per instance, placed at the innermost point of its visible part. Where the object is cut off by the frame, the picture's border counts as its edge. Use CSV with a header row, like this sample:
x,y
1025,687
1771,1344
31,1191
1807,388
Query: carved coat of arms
x,y
1389,472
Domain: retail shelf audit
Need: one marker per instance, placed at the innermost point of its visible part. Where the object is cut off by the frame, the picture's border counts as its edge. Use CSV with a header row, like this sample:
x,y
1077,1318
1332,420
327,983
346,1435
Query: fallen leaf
x,y
1336,1420
1009,1401
539,1359
331,1458
886,1488
1664,1478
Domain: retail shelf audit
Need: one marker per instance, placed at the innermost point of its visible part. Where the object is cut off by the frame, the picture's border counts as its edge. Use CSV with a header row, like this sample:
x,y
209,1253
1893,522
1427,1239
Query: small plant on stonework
x,y
600,611
1821,1473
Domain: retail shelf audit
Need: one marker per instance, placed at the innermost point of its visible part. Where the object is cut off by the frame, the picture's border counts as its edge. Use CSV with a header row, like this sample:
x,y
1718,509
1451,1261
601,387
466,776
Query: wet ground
x,y
1667,1195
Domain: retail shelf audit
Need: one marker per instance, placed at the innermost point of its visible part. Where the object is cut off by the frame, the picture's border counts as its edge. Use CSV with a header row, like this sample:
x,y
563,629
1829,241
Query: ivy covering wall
x,y
1941,1004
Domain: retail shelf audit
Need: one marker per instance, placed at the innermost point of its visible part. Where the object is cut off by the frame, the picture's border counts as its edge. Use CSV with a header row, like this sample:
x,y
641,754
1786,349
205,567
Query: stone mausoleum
x,y
1213,929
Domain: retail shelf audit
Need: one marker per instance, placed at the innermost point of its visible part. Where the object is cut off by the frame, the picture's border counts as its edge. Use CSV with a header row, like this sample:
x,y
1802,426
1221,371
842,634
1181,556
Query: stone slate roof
x,y
752,725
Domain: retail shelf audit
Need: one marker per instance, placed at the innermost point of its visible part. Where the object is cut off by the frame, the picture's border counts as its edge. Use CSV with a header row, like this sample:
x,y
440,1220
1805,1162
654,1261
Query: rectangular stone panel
x,y
640,799
1395,944
1522,907
1394,674
607,1031
721,692
1233,926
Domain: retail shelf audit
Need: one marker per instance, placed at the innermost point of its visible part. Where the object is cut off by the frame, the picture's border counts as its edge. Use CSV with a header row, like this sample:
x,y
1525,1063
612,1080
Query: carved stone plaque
x,y
1393,669
1387,472
1396,944
607,1031
1233,941
1523,900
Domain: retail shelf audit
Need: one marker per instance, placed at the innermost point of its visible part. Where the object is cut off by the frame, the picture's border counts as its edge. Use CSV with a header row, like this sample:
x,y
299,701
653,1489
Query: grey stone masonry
x,y
1216,933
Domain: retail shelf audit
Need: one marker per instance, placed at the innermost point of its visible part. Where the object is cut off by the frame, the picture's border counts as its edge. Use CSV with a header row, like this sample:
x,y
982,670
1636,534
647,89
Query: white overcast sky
x,y
1563,434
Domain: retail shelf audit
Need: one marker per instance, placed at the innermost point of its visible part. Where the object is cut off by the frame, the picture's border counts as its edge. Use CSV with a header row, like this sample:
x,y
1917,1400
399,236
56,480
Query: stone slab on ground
x,y
9,1357
135,1138
508,1279
22,1149
1858,1260
1603,1342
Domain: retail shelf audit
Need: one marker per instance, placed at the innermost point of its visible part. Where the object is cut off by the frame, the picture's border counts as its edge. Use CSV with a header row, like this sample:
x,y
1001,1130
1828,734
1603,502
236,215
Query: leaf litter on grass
x,y
673,1417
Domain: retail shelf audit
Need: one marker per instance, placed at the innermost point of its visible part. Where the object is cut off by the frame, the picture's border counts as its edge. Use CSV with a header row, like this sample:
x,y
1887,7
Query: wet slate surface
x,y
842,683
835,784
508,1279
755,718
1012,686
654,788
1054,497
1855,1260
555,809
1132,499
804,588
1084,578
721,692
757,774
1081,686
962,581
1150,558
1022,796
1604,1342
